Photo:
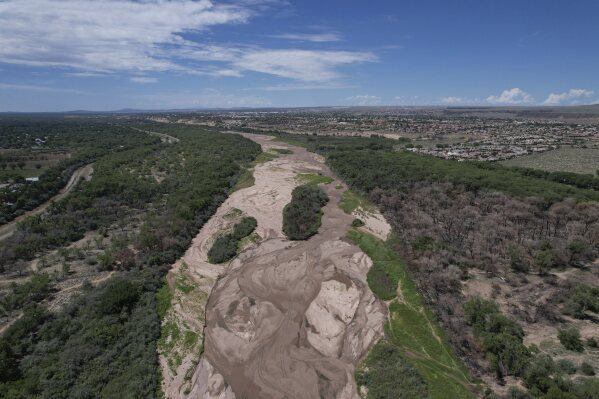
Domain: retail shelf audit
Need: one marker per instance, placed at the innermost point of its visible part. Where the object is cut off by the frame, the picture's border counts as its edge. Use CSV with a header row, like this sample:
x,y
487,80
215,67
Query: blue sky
x,y
58,55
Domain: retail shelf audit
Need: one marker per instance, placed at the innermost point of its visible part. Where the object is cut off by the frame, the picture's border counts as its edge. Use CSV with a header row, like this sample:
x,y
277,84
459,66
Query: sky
x,y
101,55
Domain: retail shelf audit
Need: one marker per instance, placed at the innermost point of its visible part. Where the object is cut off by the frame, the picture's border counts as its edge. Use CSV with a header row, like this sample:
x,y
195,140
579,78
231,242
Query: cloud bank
x,y
512,96
570,97
153,36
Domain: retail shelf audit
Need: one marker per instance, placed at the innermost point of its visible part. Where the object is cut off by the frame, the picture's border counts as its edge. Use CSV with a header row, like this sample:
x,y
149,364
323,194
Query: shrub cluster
x,y
502,338
226,246
301,217
387,374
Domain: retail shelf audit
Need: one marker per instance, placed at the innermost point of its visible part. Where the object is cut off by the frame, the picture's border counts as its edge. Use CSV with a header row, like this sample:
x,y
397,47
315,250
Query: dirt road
x,y
85,172
284,319
163,136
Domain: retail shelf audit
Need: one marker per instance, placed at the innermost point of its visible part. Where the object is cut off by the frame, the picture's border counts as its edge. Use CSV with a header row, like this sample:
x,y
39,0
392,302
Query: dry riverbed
x,y
285,319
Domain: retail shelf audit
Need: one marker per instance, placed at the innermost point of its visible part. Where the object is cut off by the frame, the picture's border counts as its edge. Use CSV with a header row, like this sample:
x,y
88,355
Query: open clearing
x,y
565,159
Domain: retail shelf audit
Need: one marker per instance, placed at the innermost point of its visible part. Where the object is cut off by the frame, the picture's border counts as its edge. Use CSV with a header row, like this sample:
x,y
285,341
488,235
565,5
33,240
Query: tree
x,y
570,339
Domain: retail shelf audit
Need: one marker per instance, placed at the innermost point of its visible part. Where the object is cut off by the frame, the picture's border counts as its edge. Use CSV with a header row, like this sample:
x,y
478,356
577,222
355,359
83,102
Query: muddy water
x,y
291,319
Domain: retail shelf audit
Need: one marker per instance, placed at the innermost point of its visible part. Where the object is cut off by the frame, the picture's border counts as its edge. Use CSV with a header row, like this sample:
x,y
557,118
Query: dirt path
x,y
84,172
284,319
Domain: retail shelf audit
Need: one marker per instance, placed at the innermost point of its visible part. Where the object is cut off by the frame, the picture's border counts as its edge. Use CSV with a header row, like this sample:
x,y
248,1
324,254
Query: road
x,y
85,172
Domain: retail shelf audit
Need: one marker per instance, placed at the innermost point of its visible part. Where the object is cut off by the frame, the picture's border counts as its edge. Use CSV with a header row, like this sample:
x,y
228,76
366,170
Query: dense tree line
x,y
399,171
301,216
376,162
226,246
104,343
86,140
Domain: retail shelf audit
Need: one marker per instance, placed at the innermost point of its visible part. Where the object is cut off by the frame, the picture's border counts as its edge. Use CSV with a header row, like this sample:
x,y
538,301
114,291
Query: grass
x,y
565,159
350,201
411,327
313,179
264,157
245,180
249,240
183,286
292,141
163,300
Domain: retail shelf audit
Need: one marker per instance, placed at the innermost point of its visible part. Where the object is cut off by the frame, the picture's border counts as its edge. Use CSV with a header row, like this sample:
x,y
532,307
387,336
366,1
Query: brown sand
x,y
284,319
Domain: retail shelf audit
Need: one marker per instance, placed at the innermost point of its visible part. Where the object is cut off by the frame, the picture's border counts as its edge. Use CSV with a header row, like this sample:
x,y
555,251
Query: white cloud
x,y
143,79
453,100
513,96
364,99
567,97
305,65
110,36
47,89
105,35
310,37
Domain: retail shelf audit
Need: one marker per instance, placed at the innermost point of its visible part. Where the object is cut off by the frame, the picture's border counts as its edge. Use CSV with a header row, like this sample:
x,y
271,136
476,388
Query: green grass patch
x,y
251,239
163,300
245,180
313,178
169,336
190,338
565,159
182,285
350,201
411,327
265,157
291,140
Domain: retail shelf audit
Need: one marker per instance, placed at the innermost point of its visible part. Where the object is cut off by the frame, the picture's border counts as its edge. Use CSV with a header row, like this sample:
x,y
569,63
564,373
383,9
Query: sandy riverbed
x,y
284,319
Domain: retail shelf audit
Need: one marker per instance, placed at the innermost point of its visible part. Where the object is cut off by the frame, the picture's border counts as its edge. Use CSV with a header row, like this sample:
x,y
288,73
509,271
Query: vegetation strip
x,y
411,327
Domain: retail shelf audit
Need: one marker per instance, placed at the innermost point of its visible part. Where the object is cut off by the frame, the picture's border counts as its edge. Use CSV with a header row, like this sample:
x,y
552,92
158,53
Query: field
x,y
411,326
27,163
313,179
565,159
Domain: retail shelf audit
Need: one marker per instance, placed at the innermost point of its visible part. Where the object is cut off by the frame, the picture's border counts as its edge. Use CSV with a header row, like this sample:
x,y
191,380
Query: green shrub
x,y
582,298
570,339
592,342
501,337
301,217
225,247
587,369
566,366
118,294
387,374
357,223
